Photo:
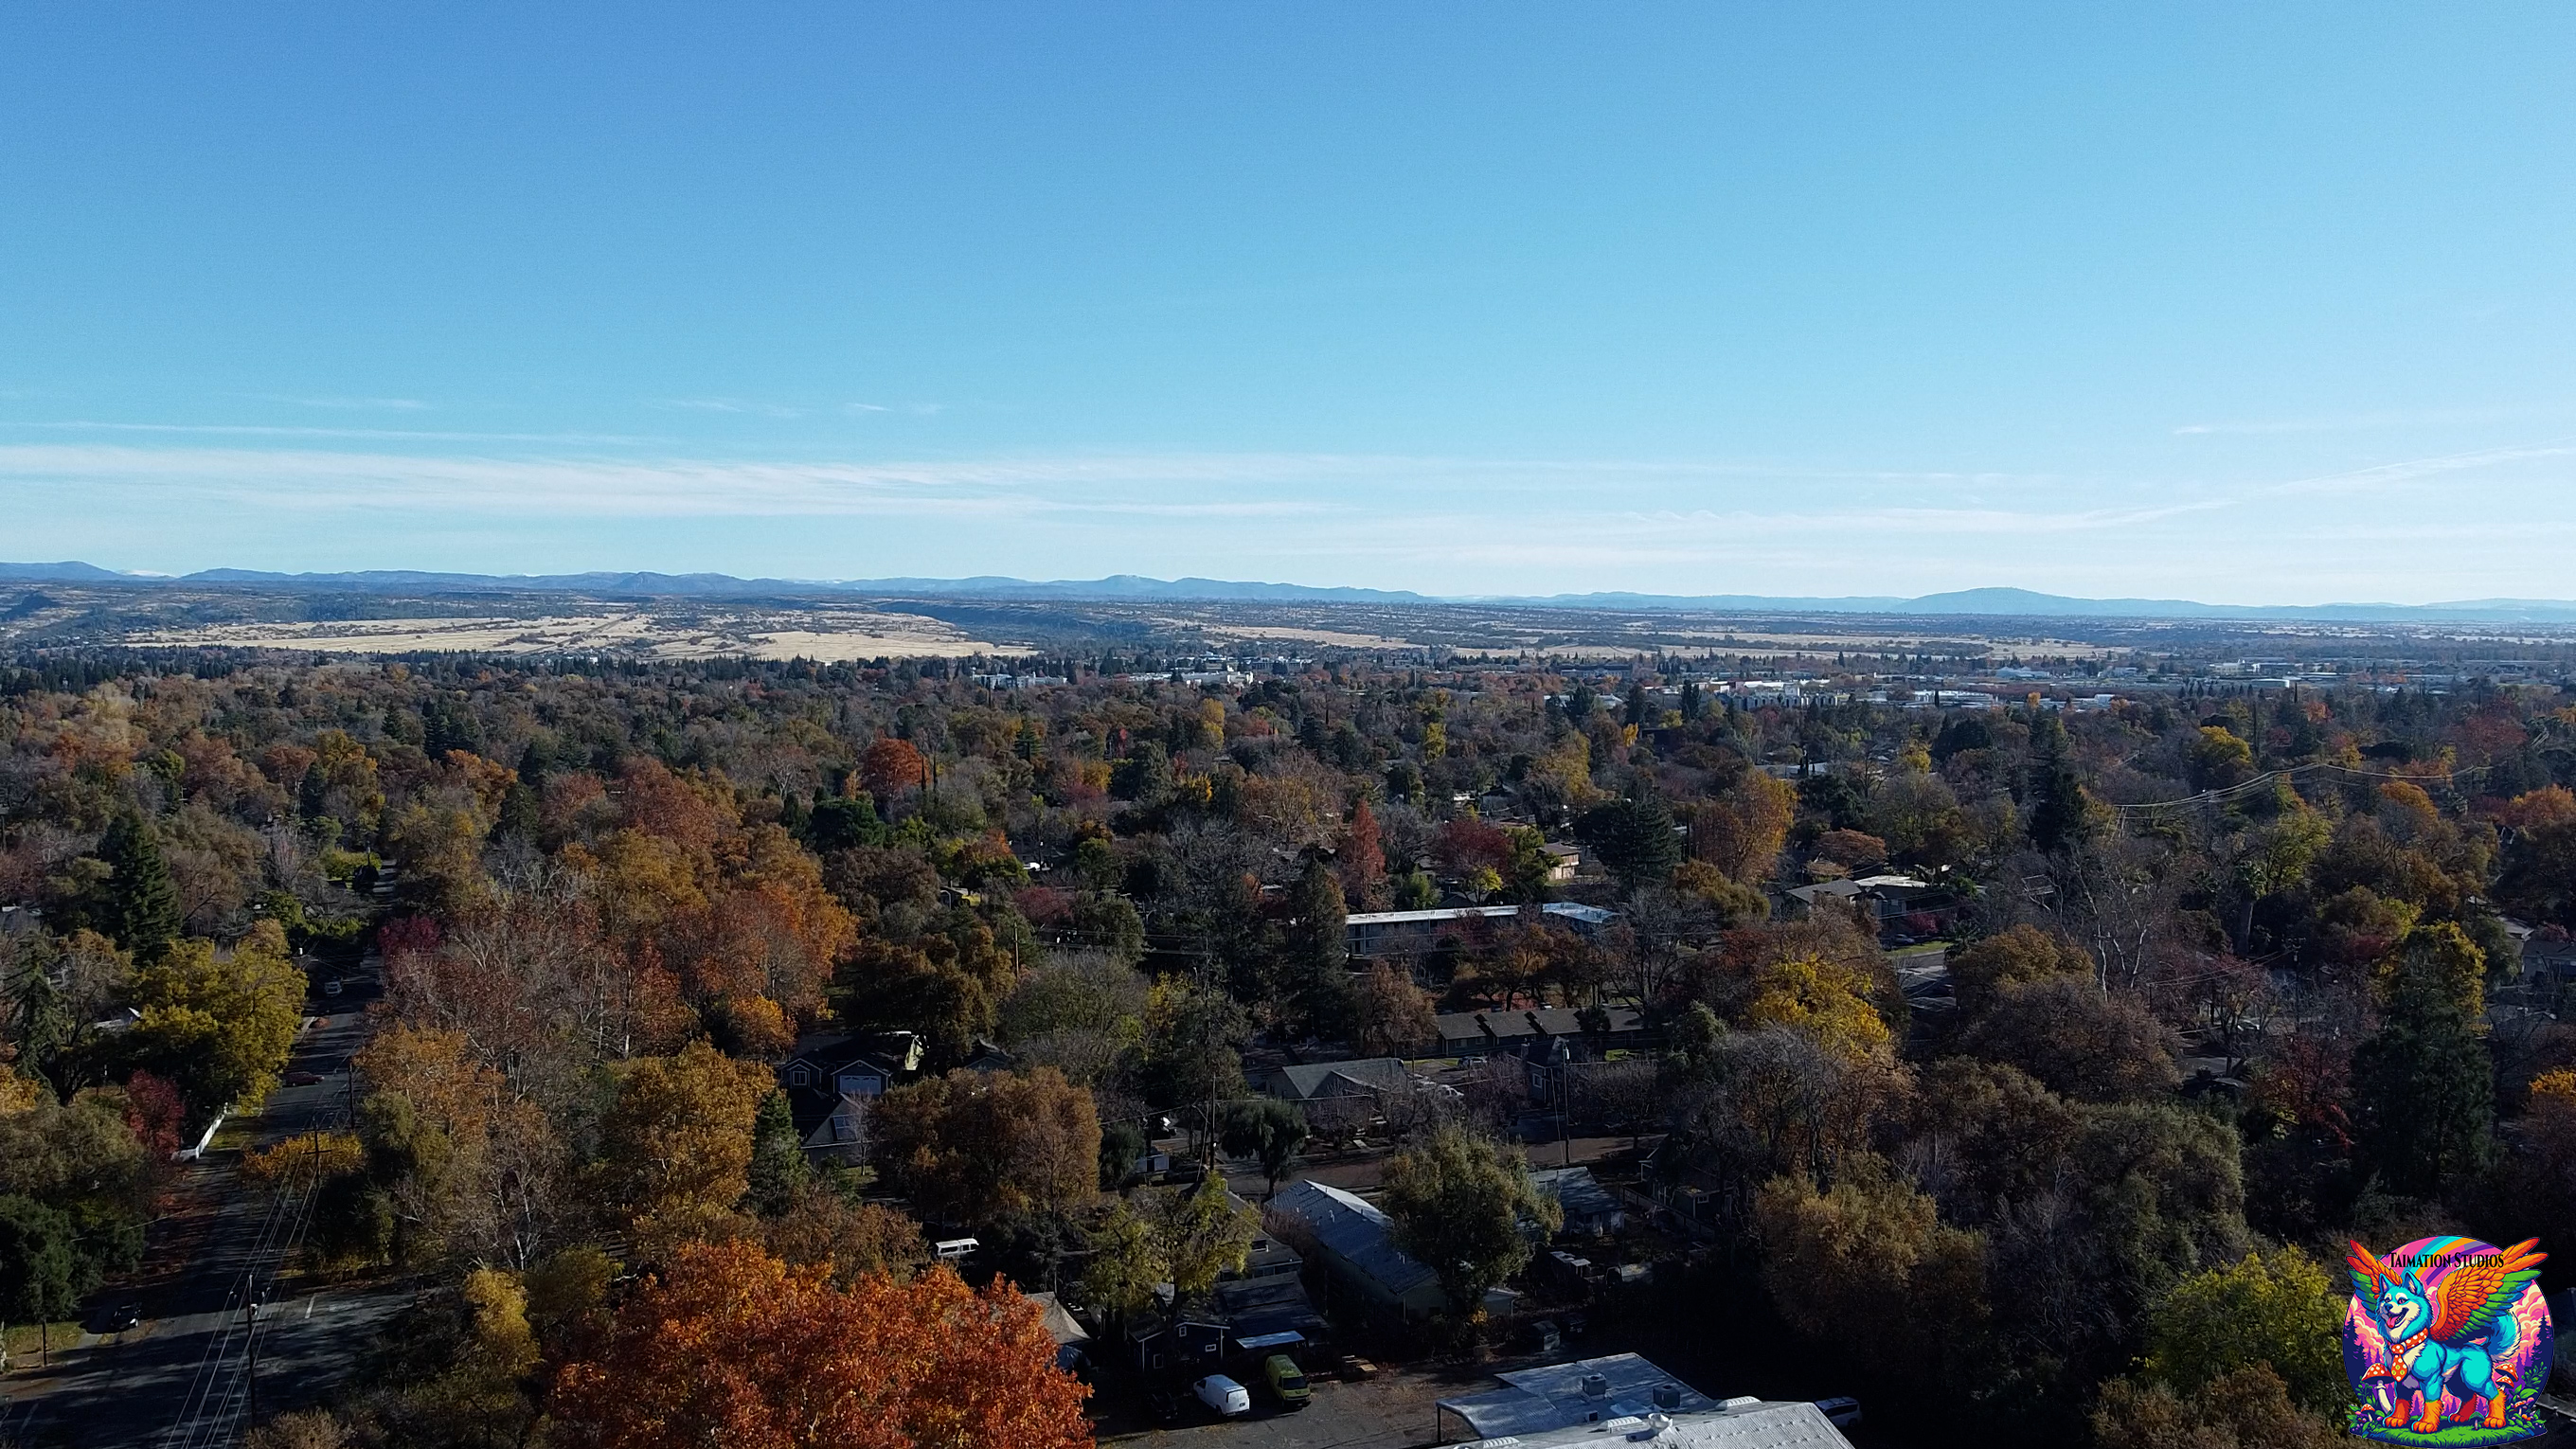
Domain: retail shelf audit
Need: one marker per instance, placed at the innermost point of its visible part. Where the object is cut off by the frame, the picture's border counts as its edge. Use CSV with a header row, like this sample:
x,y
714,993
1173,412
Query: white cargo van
x,y
1223,1395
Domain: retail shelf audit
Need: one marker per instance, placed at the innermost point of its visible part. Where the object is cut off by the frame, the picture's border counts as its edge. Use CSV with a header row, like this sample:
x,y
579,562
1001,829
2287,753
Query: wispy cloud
x,y
1441,523
744,407
383,435
2383,476
737,406
1638,503
312,479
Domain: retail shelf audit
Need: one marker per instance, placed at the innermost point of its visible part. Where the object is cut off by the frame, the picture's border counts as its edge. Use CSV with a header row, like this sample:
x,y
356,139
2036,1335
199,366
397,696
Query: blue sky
x,y
2259,304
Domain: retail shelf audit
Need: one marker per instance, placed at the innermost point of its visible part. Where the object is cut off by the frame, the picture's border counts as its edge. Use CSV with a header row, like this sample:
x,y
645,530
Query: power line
x,y
2250,786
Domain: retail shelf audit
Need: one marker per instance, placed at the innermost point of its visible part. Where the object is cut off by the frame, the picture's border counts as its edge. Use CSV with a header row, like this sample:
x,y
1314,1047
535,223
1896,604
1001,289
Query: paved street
x,y
177,1380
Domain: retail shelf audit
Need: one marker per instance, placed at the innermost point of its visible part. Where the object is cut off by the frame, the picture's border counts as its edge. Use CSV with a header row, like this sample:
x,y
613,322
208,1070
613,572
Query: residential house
x,y
863,1065
1337,1094
831,1081
1540,1033
1562,862
1266,1258
1072,1340
1591,1210
988,1058
1354,1241
2548,963
1272,1312
1414,933
1887,904
840,1135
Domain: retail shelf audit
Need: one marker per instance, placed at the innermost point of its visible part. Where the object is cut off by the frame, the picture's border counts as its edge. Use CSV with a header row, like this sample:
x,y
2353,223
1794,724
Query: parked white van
x,y
1223,1395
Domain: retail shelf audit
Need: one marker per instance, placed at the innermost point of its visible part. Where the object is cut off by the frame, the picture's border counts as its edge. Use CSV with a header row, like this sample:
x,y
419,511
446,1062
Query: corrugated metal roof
x,y
1356,1232
1576,1190
1750,1424
1536,1400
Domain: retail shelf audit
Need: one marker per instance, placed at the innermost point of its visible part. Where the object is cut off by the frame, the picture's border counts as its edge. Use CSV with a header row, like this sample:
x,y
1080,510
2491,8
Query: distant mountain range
x,y
1998,603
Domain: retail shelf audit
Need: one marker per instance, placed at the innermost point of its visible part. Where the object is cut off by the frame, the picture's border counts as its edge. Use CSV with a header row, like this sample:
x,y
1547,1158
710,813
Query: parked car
x,y
1355,1370
1223,1395
949,1250
1546,1337
302,1079
1287,1381
331,987
124,1316
1167,1405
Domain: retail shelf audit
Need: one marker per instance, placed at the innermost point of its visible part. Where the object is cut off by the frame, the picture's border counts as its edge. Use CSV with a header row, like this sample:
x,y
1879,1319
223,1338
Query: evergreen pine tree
x,y
310,792
519,816
1635,838
38,1017
778,1166
140,905
1316,953
520,812
2056,796
2425,1085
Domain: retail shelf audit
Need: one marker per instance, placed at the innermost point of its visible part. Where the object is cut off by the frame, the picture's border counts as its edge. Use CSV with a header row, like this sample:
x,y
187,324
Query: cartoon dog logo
x,y
2447,1342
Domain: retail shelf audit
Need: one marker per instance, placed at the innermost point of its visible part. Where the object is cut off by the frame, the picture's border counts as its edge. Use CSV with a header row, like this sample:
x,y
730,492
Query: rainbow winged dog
x,y
2456,1338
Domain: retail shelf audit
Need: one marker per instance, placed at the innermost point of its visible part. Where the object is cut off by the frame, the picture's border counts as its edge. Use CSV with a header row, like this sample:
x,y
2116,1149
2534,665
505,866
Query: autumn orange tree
x,y
733,1347
675,1145
970,1145
471,1167
891,766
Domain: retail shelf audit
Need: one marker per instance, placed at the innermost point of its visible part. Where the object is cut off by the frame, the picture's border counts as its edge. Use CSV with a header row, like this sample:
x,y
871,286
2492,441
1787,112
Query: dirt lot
x,y
828,635
1391,1411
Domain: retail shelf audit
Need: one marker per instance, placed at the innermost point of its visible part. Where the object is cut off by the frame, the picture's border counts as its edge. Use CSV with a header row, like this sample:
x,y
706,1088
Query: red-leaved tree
x,y
733,1347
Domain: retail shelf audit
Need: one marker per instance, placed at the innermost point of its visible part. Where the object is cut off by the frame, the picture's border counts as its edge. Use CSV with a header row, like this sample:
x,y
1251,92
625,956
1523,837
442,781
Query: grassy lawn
x,y
25,1337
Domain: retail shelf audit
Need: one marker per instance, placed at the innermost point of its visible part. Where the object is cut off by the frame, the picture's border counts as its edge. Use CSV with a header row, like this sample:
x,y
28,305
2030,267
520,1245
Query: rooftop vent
x,y
1596,1386
1668,1397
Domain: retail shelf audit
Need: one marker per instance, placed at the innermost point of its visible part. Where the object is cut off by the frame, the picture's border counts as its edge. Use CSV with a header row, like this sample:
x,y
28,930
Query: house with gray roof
x,y
1371,1078
1591,1210
1536,1032
1355,1242
1369,934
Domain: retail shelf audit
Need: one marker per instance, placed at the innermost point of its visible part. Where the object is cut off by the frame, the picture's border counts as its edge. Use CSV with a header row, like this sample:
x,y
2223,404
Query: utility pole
x,y
250,1342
